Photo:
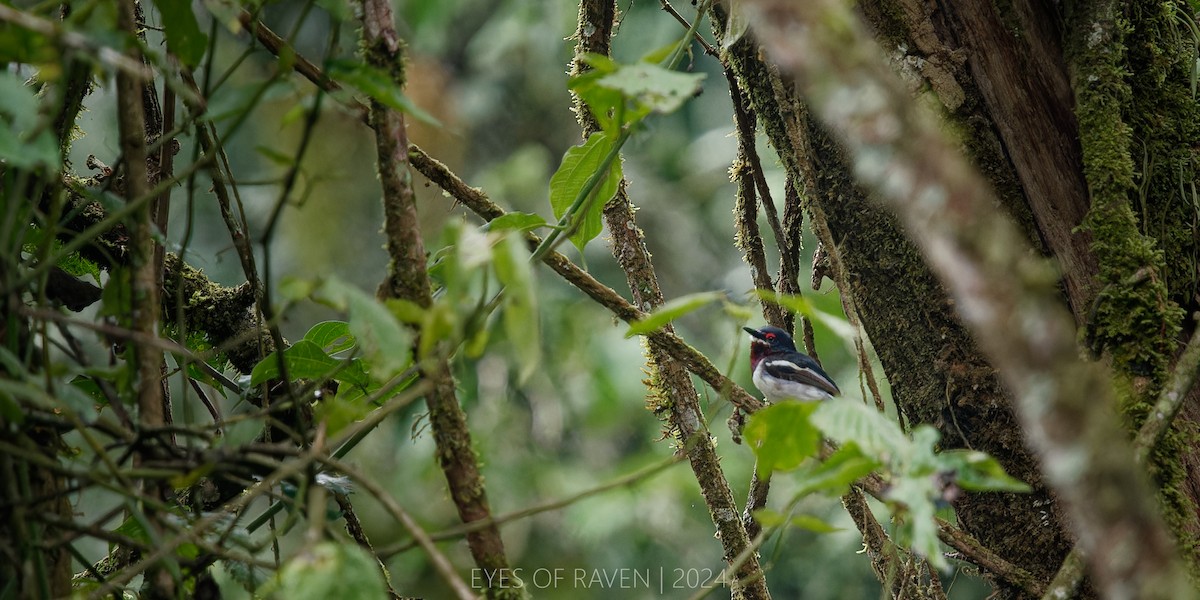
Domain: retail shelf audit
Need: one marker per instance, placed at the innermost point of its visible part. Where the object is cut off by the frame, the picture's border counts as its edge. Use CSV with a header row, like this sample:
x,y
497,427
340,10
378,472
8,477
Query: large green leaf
x,y
184,38
377,85
672,310
304,360
331,336
510,259
918,529
331,570
516,221
834,475
847,421
656,88
569,186
22,142
978,472
782,436
772,518
385,343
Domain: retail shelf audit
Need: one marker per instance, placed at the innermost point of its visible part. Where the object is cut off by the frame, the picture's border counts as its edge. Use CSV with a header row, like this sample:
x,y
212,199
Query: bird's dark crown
x,y
777,339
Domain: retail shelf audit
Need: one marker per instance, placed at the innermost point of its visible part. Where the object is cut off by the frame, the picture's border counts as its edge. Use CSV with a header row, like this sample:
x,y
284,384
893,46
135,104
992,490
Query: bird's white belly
x,y
777,390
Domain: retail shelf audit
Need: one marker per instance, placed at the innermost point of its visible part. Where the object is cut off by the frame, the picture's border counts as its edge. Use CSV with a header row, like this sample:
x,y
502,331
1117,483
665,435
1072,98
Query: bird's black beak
x,y
755,333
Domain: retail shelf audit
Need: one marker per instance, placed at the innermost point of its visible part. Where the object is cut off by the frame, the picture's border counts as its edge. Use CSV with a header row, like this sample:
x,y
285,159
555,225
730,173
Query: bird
x,y
783,373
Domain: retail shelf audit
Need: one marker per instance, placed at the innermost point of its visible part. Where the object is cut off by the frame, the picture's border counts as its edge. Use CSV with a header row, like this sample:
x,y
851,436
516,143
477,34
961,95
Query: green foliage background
x,y
493,74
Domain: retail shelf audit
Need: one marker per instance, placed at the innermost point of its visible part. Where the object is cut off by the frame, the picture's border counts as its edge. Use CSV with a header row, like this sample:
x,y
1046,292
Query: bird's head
x,y
767,341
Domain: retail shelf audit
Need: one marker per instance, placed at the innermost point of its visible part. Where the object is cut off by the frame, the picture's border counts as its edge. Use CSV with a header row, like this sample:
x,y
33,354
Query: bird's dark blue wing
x,y
791,369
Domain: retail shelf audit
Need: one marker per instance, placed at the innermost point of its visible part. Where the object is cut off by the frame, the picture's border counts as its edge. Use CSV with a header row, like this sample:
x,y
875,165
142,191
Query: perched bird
x,y
783,373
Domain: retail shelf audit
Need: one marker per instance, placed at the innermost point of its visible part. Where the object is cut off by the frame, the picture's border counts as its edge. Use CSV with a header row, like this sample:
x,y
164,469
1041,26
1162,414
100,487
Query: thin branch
x,y
441,564
623,481
475,200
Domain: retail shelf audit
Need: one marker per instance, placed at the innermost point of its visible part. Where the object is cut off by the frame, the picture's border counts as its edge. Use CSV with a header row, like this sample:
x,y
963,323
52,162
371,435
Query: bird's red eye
x,y
769,336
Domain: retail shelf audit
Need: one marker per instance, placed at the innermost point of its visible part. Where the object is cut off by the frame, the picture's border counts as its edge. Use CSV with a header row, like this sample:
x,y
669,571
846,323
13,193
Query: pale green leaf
x,y
772,518
782,436
385,343
834,475
978,472
672,310
847,421
919,529
331,570
657,88
376,84
510,259
515,221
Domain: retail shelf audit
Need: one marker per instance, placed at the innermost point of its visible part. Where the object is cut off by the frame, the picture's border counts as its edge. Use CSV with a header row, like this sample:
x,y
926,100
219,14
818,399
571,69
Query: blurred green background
x,y
493,74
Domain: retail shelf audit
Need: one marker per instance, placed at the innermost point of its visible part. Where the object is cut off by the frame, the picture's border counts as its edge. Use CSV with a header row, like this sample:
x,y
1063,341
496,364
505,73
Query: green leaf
x,y
510,259
296,288
782,435
184,38
848,421
23,143
736,25
338,9
331,336
580,165
600,63
834,475
662,53
516,221
281,159
772,518
78,401
607,105
803,306
919,529
672,310
379,86
385,343
656,88
978,472
343,409
132,528
304,359
331,570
